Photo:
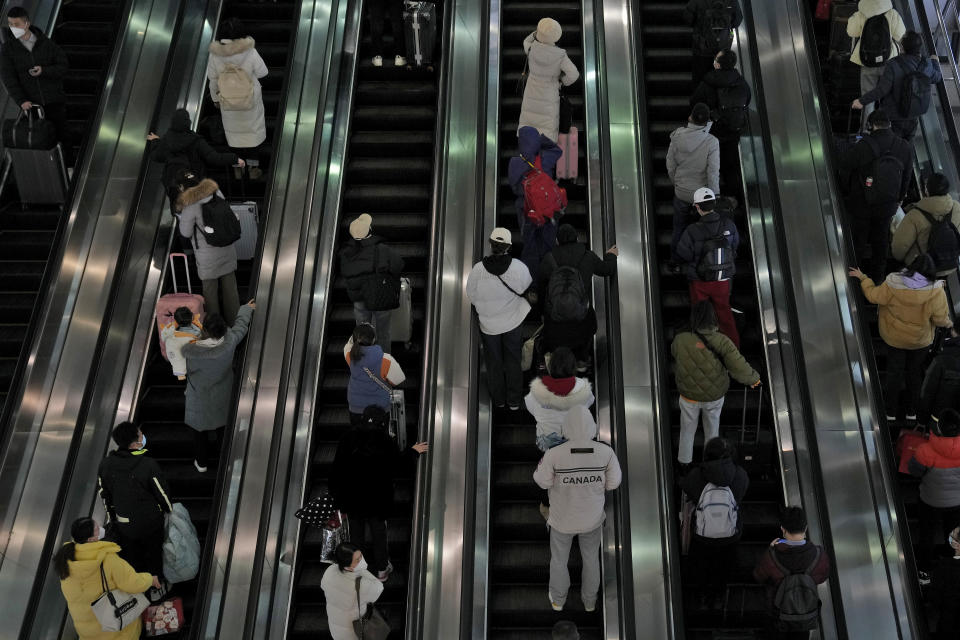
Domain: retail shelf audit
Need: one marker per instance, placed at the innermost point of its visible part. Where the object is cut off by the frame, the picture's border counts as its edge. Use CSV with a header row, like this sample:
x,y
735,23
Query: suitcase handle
x,y
186,269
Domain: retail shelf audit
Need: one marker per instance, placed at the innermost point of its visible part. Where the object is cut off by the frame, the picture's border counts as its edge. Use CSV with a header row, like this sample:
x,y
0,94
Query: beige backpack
x,y
236,89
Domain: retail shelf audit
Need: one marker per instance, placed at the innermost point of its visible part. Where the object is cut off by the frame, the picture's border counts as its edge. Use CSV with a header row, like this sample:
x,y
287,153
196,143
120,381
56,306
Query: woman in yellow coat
x,y
78,565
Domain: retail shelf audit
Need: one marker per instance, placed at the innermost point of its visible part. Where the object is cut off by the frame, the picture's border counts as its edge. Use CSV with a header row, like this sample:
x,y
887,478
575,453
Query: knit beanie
x,y
548,31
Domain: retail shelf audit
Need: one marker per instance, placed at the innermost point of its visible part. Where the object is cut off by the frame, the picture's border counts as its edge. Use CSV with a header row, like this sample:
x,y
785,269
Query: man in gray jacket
x,y
577,474
693,161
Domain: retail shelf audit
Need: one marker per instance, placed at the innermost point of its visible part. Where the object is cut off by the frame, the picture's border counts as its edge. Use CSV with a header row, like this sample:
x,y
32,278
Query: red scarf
x,y
559,386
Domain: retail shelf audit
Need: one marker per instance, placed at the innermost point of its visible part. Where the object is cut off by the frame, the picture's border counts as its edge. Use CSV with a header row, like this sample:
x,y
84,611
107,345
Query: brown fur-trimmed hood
x,y
205,189
231,47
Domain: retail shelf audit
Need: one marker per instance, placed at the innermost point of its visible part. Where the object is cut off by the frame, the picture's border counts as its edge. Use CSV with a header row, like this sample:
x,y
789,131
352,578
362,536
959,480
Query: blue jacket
x,y
889,86
690,247
362,390
531,143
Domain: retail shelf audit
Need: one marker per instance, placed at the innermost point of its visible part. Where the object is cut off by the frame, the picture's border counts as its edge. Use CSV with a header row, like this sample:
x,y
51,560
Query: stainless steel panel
x,y
62,355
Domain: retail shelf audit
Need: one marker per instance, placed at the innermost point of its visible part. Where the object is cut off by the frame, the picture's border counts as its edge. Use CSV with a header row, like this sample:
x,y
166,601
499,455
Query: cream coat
x,y
339,588
244,129
549,409
866,9
548,68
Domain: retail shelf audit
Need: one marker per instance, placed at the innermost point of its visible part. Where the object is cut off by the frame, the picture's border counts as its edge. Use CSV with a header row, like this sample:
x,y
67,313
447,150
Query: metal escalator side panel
x,y
868,542
46,420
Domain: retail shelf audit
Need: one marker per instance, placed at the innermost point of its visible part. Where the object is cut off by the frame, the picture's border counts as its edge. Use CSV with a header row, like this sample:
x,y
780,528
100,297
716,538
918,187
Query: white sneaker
x,y
198,467
590,608
399,61
378,61
556,607
385,574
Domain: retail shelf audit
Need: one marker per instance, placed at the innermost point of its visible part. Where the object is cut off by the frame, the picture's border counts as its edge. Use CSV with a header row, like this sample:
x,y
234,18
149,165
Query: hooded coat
x,y
909,309
857,162
343,603
866,9
794,558
358,259
690,247
938,462
693,160
912,236
703,370
83,586
244,129
547,68
706,93
549,408
212,262
187,147
941,384
890,85
723,473
210,376
364,468
16,61
577,475
499,309
571,253
531,143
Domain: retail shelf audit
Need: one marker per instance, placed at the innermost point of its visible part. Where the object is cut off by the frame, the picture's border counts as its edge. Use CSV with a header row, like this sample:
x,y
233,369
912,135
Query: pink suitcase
x,y
568,164
169,303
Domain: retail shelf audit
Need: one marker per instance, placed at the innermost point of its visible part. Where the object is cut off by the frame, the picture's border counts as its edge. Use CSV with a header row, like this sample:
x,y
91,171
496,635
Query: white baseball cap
x,y
501,234
704,194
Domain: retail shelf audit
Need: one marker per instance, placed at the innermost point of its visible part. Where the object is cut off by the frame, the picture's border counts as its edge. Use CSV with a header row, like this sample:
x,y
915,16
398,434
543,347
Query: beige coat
x,y
908,313
866,9
244,129
548,68
912,236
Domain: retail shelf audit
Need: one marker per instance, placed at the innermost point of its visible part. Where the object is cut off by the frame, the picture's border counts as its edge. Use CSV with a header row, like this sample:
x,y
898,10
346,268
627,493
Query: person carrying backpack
x,y
705,360
930,226
874,175
713,22
941,382
716,487
877,28
212,228
707,252
234,70
728,95
791,568
539,198
904,89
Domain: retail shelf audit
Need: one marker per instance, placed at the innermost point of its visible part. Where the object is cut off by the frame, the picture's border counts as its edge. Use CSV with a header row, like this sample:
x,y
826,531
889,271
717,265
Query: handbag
x,y
907,443
318,511
529,348
116,609
30,132
370,625
381,291
164,618
335,531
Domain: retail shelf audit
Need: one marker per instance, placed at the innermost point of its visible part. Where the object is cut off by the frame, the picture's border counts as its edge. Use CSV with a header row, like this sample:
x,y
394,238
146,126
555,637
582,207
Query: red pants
x,y
717,293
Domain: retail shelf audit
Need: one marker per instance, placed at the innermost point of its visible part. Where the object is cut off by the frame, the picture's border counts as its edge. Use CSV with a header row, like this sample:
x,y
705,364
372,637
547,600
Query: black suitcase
x,y
29,131
40,174
420,31
840,13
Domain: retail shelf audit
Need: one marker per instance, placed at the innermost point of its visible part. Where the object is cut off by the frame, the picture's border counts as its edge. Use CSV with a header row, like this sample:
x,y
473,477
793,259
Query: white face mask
x,y
102,533
360,566
18,32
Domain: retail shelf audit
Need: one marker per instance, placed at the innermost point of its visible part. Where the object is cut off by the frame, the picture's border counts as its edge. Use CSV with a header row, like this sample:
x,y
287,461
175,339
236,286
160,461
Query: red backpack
x,y
541,196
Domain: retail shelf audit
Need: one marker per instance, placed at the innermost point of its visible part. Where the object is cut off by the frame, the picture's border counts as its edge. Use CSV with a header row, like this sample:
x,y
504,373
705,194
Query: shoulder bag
x,y
116,609
371,625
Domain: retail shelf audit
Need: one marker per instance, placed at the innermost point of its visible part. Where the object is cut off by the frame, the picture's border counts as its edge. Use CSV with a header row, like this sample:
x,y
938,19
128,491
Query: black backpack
x,y
567,296
915,91
715,29
732,106
718,258
884,177
875,41
943,244
796,604
221,227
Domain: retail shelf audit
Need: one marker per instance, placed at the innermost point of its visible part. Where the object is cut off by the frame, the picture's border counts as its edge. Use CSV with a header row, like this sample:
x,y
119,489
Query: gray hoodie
x,y
693,160
577,473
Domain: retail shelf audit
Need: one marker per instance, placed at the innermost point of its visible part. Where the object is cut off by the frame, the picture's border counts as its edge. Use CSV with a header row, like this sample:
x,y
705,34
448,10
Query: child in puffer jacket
x,y
552,395
184,329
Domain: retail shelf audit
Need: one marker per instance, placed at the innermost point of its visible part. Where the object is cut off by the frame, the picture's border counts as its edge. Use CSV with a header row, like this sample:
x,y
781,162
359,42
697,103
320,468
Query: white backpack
x,y
717,512
236,89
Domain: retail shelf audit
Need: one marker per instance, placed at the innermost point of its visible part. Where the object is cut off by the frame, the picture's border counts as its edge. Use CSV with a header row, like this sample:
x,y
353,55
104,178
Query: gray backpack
x,y
796,603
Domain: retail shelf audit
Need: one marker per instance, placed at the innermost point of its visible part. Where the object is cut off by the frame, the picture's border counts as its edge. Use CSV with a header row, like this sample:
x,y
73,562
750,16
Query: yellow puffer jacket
x,y
83,587
910,308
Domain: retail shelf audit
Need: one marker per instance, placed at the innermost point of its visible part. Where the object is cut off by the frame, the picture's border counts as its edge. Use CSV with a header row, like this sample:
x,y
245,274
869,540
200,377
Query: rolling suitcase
x,y
40,174
398,418
249,229
401,318
568,165
170,302
420,30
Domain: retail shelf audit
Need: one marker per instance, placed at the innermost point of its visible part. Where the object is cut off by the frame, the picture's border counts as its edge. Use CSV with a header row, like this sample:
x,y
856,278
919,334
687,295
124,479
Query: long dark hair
x,y
364,335
344,554
81,530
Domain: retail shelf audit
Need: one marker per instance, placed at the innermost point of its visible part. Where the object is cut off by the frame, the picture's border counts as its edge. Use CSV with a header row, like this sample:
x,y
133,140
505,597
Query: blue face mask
x,y
143,441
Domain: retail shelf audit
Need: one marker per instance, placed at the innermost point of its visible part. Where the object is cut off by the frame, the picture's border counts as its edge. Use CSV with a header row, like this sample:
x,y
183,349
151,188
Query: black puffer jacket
x,y
364,468
706,93
133,490
357,262
16,61
858,159
181,145
941,385
695,13
571,253
723,473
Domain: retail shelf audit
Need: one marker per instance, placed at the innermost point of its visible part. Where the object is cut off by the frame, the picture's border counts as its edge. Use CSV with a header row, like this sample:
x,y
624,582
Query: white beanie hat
x,y
548,31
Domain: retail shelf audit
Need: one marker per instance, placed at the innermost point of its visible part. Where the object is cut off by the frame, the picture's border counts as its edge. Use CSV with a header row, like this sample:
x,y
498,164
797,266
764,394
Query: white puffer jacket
x,y
244,129
548,68
339,588
549,409
181,547
866,9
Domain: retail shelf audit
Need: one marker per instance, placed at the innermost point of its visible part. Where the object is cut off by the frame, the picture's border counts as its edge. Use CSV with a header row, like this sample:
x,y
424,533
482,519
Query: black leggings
x,y
201,442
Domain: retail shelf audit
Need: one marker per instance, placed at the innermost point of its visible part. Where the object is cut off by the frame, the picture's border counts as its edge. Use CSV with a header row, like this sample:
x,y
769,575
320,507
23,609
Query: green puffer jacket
x,y
701,376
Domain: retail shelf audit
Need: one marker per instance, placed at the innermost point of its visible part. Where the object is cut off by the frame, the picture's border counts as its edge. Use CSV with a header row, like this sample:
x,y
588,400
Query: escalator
x,y
518,605
388,174
745,421
86,30
160,408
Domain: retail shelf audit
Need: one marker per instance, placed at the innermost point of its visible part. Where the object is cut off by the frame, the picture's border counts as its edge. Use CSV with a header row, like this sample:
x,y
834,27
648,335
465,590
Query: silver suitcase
x,y
249,229
40,174
401,318
398,418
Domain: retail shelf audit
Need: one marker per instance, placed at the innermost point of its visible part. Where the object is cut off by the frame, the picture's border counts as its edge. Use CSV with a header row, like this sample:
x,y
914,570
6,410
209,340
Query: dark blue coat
x,y
690,247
